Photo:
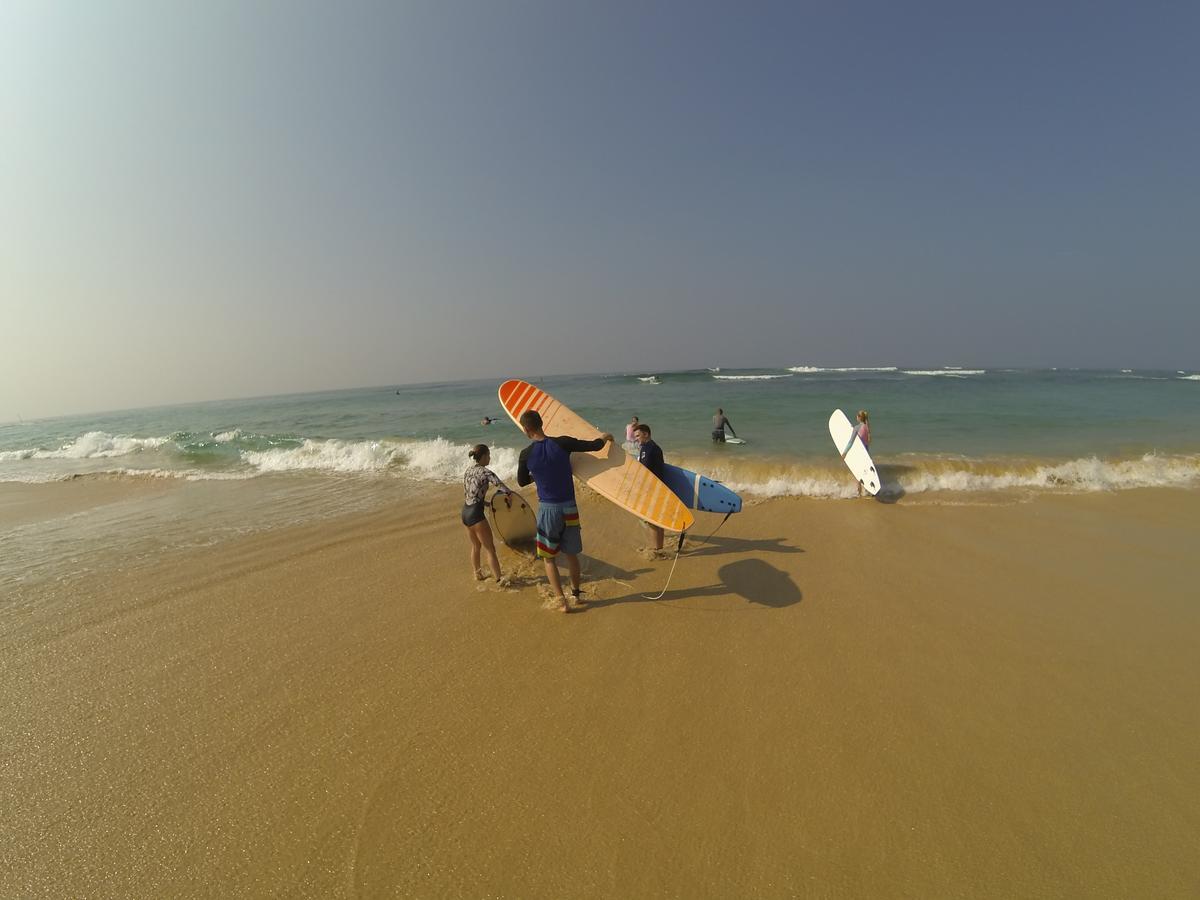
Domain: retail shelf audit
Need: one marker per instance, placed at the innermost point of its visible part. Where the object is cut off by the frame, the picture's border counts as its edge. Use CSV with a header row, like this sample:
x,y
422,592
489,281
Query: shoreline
x,y
1001,700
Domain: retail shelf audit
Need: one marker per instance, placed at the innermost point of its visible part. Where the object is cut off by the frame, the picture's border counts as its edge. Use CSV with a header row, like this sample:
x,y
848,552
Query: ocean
x,y
939,434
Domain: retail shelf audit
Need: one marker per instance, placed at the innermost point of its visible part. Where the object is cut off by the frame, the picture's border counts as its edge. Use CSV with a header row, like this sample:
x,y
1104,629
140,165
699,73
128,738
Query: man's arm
x,y
575,445
523,476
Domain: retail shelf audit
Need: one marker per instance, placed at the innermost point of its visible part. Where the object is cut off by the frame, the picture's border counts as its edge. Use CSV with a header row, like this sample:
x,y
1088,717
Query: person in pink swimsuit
x,y
863,430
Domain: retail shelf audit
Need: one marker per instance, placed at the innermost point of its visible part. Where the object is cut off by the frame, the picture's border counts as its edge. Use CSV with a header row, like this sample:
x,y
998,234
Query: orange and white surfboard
x,y
611,472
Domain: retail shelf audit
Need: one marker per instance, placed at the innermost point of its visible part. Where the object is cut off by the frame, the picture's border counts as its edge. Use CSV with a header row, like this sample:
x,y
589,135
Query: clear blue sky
x,y
223,199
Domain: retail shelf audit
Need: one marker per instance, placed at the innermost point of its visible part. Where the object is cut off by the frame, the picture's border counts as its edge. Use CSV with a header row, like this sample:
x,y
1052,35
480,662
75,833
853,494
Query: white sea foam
x,y
182,474
93,445
226,437
1189,378
1084,475
1127,371
649,379
816,485
816,370
952,373
435,460
749,377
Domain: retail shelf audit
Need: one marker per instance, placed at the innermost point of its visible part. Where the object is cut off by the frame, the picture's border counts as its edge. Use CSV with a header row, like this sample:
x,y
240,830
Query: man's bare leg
x,y
556,584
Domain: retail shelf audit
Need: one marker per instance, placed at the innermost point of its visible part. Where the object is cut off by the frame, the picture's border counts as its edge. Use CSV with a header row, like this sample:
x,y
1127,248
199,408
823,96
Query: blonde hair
x,y
862,414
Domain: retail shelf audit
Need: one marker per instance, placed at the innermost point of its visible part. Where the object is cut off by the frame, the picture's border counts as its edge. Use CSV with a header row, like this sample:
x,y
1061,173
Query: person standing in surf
x,y
863,432
720,423
475,485
547,462
650,455
631,435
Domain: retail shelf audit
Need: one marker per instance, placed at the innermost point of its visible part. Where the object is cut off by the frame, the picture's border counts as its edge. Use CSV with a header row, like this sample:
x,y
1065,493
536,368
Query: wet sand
x,y
832,699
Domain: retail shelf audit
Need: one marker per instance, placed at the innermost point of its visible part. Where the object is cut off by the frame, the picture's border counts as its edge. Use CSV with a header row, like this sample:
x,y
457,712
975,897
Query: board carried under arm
x,y
855,454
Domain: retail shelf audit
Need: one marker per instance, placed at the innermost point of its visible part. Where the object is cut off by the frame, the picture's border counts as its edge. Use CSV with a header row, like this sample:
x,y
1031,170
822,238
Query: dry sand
x,y
833,699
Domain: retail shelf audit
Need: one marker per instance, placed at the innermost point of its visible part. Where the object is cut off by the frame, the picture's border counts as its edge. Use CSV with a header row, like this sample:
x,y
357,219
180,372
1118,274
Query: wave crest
x,y
435,460
953,373
816,370
749,377
821,479
93,445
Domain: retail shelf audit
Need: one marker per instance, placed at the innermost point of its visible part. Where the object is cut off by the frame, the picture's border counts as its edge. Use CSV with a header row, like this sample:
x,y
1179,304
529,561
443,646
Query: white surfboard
x,y
851,448
735,440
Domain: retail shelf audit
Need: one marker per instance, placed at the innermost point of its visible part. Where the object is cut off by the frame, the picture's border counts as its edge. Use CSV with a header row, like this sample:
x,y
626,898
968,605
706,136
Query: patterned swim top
x,y
476,481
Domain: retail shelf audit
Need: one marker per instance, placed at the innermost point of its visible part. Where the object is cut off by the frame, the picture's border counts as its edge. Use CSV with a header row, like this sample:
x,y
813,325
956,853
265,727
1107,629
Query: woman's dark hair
x,y
478,452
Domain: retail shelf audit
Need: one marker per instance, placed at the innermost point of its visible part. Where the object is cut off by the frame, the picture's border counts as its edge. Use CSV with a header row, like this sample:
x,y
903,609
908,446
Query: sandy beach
x,y
832,699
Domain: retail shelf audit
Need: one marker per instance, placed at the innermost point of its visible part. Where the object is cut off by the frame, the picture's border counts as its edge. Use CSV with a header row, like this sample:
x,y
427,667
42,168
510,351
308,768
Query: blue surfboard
x,y
700,492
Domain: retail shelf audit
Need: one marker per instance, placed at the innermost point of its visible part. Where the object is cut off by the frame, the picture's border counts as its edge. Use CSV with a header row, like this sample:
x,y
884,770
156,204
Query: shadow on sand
x,y
891,485
751,579
711,545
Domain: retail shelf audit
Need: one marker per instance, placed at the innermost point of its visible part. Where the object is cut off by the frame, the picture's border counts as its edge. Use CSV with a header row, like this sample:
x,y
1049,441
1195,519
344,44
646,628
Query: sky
x,y
223,199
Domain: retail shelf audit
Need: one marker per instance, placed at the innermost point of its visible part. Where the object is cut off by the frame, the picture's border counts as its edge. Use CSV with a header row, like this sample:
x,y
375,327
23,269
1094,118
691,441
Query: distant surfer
x,y
720,423
650,455
487,420
475,485
862,431
547,461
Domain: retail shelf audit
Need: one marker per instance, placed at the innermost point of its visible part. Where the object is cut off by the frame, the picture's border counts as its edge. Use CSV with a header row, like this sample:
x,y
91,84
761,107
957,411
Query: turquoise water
x,y
938,429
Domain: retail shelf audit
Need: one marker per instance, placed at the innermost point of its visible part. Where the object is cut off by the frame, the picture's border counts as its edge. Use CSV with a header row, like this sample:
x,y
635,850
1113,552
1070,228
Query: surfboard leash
x,y
675,562
714,531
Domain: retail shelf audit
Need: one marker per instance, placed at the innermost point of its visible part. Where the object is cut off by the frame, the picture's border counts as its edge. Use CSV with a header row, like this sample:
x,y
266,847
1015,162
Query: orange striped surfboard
x,y
611,472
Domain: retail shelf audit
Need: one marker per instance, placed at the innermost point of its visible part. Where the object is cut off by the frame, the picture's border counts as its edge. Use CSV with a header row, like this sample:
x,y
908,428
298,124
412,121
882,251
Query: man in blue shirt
x,y
547,461
650,455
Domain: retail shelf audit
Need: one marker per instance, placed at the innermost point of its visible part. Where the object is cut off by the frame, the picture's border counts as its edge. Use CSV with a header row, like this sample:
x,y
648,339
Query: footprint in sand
x,y
652,553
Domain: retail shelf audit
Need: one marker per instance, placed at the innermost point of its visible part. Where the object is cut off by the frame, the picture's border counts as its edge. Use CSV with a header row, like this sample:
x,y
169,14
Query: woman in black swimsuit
x,y
475,485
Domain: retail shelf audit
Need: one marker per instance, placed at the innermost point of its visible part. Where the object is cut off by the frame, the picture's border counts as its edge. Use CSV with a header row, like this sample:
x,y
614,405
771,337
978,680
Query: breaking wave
x,y
93,445
817,370
750,377
927,475
953,373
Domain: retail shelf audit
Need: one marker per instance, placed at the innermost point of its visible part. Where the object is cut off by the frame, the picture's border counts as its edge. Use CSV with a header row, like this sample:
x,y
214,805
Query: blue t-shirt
x,y
548,462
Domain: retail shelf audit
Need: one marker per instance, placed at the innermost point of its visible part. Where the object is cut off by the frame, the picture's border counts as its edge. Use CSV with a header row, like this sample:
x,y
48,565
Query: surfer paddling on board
x,y
547,461
862,431
475,484
720,423
650,455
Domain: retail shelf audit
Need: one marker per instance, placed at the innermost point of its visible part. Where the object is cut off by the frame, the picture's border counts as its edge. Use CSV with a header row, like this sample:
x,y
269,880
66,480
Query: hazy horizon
x,y
221,201
498,379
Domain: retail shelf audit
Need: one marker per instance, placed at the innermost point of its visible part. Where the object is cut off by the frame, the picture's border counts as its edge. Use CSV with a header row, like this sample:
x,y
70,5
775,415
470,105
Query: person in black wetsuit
x,y
650,455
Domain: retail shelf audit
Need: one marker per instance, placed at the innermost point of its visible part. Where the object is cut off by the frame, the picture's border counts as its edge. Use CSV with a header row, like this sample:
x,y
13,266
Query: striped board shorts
x,y
558,529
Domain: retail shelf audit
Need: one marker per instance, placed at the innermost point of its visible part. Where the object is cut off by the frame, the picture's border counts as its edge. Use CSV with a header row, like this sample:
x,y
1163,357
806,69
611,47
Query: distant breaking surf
x,y
816,370
953,373
749,377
